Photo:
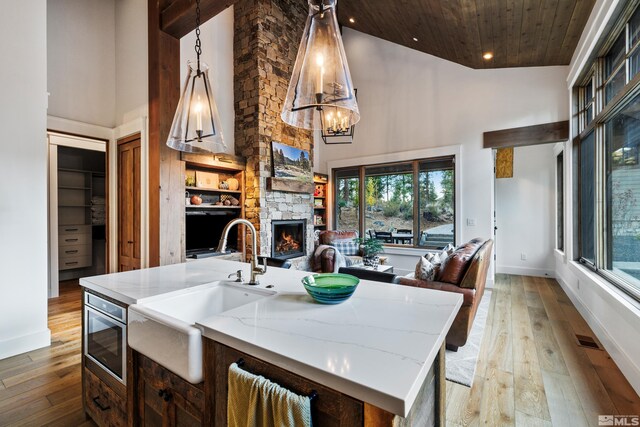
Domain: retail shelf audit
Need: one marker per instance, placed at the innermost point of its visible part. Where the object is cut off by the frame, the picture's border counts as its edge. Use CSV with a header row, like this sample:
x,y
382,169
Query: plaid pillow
x,y
347,247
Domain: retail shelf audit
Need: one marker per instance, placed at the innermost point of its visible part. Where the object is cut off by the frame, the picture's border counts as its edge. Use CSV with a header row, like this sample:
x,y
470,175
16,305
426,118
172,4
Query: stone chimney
x,y
266,38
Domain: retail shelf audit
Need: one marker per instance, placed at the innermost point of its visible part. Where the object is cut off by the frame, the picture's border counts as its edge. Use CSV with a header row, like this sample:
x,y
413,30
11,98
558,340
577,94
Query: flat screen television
x,y
203,230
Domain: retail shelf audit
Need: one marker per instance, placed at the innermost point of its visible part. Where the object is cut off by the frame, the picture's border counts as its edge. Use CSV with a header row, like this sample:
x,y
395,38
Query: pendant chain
x,y
198,47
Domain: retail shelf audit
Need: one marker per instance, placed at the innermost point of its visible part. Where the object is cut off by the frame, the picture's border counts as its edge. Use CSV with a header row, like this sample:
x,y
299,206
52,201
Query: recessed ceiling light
x,y
353,21
487,55
415,39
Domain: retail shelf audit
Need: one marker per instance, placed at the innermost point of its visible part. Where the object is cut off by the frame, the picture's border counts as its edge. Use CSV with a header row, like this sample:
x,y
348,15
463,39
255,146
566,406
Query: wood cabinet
x,y
320,201
105,405
331,408
164,399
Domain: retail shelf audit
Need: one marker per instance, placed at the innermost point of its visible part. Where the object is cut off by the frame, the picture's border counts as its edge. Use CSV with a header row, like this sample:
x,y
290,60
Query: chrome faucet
x,y
255,268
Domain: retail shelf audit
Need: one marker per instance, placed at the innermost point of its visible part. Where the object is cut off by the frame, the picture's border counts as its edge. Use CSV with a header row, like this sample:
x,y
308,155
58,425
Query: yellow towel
x,y
254,401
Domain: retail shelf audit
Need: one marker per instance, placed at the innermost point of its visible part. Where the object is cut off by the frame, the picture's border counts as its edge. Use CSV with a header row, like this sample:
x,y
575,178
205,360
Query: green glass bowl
x,y
330,288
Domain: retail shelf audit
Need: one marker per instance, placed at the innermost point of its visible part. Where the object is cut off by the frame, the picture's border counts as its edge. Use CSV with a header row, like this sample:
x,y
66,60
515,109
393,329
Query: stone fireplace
x,y
288,238
266,37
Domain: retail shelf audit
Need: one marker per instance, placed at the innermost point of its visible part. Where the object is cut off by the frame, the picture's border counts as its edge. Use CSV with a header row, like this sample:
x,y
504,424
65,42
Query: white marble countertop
x,y
377,347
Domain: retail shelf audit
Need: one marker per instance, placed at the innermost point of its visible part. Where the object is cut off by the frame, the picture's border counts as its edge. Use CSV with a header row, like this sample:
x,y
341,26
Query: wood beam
x,y
178,18
164,92
527,135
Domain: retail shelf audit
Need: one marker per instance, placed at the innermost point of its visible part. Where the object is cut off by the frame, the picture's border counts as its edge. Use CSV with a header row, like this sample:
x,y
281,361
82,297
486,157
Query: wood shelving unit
x,y
320,201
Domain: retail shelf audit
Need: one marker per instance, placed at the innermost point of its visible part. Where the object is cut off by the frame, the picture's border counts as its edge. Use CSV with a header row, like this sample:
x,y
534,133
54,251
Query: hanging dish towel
x,y
254,401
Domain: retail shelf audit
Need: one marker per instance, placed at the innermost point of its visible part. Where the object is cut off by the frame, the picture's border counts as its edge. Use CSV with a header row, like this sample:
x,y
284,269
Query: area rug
x,y
461,364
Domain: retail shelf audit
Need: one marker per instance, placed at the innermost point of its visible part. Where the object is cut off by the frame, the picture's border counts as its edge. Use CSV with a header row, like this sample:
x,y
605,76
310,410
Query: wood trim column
x,y
164,93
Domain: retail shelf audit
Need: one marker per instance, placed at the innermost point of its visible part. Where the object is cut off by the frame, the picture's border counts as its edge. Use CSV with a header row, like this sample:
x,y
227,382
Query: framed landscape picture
x,y
290,162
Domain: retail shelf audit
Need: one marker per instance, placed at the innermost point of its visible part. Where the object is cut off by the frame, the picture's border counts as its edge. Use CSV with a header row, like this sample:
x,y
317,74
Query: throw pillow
x,y
347,247
425,270
449,249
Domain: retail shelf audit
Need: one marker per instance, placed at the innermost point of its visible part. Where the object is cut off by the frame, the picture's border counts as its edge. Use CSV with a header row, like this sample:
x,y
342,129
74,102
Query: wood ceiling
x,y
519,33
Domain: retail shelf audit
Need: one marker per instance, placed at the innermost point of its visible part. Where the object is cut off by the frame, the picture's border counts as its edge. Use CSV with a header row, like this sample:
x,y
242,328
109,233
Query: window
x,y
623,194
587,200
615,71
587,103
437,202
607,174
560,201
347,199
407,203
389,201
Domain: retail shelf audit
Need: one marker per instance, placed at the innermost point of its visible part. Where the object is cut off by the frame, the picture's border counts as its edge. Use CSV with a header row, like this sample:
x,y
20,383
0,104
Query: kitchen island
x,y
382,349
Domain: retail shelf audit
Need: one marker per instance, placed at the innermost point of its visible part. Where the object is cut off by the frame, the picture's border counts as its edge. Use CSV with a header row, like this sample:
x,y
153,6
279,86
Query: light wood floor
x,y
531,371
43,387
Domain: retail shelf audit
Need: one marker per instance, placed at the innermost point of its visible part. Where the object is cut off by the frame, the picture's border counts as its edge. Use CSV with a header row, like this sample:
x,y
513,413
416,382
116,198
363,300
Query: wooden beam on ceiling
x,y
527,135
179,18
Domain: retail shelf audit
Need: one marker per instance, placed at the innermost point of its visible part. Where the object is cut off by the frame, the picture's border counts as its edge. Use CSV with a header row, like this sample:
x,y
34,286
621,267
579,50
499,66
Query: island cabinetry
x,y
105,406
103,345
330,408
164,399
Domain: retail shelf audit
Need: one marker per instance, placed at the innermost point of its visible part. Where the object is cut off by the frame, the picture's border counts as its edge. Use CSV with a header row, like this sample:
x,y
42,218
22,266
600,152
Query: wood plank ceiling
x,y
519,33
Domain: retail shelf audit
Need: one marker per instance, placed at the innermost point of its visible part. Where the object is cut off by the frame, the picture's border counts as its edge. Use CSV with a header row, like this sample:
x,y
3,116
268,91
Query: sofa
x,y
324,256
464,272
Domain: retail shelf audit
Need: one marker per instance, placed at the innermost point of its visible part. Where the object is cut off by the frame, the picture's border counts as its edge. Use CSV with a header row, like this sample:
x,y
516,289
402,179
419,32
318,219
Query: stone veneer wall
x,y
266,38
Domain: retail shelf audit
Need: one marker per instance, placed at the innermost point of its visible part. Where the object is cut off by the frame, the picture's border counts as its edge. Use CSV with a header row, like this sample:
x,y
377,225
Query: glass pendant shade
x,y
196,124
321,77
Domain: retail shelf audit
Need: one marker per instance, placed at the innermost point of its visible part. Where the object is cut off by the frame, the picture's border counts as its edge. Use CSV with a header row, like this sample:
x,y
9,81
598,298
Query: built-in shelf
x,y
65,187
320,225
319,207
211,207
212,190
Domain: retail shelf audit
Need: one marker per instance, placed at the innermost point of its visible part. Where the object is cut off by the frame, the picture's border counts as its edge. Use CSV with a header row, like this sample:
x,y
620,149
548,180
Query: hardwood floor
x,y
43,387
530,372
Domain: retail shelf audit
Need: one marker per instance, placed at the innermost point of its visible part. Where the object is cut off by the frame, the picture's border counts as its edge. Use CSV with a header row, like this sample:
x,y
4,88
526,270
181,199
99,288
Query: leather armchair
x,y
464,272
324,257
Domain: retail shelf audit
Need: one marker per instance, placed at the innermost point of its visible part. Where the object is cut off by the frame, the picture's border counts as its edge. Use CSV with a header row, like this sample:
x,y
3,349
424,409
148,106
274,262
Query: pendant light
x,y
321,80
335,129
196,124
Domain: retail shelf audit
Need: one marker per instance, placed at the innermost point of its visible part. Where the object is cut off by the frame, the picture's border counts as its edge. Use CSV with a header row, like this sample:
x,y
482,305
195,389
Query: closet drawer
x,y
74,240
74,251
74,262
74,229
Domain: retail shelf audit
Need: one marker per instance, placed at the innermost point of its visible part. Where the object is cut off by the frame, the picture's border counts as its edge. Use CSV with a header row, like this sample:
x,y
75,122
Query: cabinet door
x,y
330,409
129,254
165,399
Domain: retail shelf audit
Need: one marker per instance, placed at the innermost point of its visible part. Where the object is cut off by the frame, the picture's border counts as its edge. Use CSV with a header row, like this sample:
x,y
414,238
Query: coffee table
x,y
383,268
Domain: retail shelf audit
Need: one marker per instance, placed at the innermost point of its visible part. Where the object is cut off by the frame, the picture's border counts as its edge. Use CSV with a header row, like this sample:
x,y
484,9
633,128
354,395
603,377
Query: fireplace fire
x,y
288,238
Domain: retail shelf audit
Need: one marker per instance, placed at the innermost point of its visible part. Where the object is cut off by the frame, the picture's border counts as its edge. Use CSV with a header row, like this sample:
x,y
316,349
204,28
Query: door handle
x,y
96,400
130,242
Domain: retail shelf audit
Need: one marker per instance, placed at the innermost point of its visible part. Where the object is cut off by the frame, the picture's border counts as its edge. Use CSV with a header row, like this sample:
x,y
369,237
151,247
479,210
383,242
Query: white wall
x,y
131,60
612,315
217,51
81,60
23,164
410,100
525,212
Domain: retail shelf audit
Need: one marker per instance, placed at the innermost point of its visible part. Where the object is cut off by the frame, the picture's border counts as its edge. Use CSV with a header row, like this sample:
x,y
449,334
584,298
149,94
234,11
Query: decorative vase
x,y
371,261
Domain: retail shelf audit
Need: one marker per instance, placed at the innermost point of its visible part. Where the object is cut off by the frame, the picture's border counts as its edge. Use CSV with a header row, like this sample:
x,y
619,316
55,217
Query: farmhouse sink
x,y
165,329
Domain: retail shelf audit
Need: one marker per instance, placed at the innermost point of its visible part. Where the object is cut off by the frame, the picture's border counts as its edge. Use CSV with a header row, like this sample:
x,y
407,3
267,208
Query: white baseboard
x,y
525,271
627,365
22,344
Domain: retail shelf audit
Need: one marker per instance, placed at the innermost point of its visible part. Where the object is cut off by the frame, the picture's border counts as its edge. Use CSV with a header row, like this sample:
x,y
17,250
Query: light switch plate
x,y
471,222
